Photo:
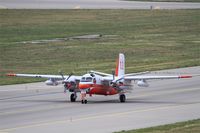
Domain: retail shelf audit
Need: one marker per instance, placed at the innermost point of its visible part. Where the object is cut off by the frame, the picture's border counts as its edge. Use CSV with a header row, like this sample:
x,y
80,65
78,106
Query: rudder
x,y
120,67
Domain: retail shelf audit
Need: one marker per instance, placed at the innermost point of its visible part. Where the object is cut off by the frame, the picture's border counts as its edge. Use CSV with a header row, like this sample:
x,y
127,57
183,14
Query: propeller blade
x,y
113,73
61,73
69,75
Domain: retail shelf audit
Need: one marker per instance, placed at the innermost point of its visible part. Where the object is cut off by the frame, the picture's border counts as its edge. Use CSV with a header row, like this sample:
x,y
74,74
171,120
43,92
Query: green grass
x,y
167,0
192,126
151,40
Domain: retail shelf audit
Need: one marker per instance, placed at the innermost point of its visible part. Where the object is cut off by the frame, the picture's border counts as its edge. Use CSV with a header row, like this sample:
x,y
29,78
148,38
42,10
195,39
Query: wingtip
x,y
11,74
185,76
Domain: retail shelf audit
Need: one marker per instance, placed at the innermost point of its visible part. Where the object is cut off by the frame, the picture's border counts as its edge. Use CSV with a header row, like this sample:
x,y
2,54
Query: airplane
x,y
99,83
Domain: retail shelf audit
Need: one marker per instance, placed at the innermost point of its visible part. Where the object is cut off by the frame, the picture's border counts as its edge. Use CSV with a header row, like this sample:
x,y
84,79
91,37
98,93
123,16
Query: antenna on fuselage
x,y
92,74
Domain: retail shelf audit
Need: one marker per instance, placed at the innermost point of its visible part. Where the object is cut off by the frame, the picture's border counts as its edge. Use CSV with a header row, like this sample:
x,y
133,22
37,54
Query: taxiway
x,y
36,107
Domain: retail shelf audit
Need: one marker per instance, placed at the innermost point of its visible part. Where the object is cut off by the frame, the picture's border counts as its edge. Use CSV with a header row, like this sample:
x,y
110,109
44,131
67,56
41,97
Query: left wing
x,y
142,80
154,77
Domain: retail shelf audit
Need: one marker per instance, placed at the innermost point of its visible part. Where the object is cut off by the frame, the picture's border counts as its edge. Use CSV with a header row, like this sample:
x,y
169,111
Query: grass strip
x,y
192,126
150,39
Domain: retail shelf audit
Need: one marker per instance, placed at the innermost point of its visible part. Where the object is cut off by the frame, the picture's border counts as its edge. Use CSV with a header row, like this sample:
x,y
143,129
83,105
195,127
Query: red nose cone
x,y
84,86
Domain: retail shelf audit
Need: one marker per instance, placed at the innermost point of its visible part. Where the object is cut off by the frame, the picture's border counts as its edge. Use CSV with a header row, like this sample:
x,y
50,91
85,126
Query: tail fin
x,y
120,68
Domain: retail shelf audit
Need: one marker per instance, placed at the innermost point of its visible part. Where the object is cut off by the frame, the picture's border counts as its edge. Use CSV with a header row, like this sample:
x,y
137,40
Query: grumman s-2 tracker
x,y
101,83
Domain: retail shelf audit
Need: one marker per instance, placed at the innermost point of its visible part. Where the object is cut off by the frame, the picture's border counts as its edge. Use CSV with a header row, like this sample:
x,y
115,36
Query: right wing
x,y
57,77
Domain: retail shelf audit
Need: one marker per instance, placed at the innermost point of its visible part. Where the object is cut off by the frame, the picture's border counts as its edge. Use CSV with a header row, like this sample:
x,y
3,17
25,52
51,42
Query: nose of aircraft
x,y
84,86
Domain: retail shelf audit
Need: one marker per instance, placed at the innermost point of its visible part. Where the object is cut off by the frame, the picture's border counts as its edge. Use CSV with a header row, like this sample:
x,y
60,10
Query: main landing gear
x,y
73,97
122,98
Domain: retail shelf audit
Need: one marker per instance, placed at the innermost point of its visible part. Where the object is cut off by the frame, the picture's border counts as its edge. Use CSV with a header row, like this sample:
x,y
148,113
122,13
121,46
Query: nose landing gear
x,y
83,96
84,101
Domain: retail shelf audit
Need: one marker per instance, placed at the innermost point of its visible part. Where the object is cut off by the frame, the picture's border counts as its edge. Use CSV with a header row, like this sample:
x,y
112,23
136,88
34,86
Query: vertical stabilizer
x,y
120,67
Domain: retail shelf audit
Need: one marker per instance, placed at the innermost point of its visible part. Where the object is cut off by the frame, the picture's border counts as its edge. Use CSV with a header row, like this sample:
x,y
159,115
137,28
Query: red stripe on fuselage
x,y
99,89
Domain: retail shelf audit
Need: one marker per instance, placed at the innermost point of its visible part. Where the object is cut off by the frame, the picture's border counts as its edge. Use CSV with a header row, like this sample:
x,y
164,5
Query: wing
x,y
146,77
100,73
142,79
107,78
57,77
135,74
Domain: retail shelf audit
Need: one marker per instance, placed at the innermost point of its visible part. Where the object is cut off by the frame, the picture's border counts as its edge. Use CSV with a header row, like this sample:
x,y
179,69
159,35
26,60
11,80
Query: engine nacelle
x,y
71,86
51,82
142,83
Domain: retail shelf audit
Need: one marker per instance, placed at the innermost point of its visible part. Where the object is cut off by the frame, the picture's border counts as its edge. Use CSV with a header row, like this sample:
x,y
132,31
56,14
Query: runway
x,y
36,107
93,4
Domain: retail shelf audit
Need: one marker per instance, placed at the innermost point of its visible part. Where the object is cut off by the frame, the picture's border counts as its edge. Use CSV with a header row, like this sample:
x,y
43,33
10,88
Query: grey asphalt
x,y
36,107
93,4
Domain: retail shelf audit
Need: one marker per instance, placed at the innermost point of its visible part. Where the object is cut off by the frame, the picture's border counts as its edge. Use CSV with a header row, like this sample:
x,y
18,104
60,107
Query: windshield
x,y
86,79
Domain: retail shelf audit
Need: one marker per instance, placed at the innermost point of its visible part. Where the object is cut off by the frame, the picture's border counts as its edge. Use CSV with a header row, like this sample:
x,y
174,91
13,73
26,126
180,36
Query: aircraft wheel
x,y
122,98
84,101
73,97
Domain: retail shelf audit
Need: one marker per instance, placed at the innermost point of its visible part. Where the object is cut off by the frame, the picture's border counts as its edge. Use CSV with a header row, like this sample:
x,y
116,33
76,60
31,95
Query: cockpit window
x,y
83,79
86,79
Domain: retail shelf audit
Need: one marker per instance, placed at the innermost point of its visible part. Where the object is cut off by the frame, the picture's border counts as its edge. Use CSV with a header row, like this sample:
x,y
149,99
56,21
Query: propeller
x,y
65,81
114,84
70,75
116,81
113,73
61,73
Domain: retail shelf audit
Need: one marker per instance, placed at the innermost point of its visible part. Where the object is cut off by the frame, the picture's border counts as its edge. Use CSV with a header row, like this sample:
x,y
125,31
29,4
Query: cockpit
x,y
86,79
